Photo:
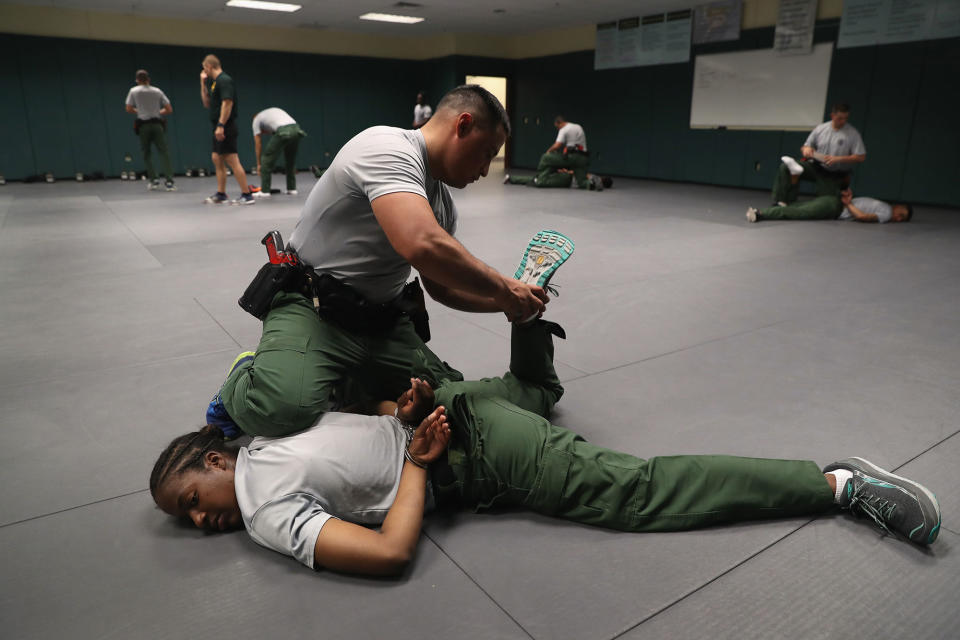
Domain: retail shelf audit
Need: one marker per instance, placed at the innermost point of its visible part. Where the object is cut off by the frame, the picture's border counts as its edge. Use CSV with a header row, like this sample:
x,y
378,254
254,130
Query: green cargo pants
x,y
825,182
285,139
820,208
152,133
302,363
505,454
548,177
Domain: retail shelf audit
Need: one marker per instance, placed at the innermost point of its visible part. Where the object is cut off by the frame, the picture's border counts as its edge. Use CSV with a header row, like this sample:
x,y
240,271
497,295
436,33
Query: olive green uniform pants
x,y
285,140
303,362
825,182
504,453
820,208
548,177
152,134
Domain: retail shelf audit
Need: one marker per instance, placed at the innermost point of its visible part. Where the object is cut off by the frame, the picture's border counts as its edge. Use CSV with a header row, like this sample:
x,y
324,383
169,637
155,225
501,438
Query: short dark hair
x,y
909,208
478,101
840,107
143,76
185,453
559,119
606,181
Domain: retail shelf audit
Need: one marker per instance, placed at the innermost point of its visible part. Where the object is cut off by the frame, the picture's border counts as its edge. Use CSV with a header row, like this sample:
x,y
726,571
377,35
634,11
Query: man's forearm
x,y
859,215
401,527
204,96
459,299
445,261
225,108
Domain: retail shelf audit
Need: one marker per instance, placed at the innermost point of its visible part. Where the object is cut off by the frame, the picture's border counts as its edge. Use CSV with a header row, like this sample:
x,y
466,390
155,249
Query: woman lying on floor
x,y
317,495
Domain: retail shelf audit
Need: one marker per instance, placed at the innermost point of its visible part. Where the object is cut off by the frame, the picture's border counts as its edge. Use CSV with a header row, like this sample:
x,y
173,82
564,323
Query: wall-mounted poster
x,y
716,22
628,42
605,56
660,38
794,33
870,22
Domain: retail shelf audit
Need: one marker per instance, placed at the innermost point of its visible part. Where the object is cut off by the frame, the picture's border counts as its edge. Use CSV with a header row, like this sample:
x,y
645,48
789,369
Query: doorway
x,y
498,87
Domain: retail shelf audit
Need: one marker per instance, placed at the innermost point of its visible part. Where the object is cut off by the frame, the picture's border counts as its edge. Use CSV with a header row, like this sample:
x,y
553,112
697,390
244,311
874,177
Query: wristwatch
x,y
220,124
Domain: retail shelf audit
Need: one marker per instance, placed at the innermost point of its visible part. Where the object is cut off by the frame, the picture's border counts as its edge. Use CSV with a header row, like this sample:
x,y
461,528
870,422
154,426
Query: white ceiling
x,y
442,16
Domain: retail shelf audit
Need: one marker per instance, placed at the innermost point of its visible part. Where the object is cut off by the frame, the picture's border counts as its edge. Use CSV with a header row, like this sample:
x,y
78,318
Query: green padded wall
x,y
903,99
62,109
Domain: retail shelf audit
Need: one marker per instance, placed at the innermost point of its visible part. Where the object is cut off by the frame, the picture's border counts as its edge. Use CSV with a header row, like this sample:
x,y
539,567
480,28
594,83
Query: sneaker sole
x,y
867,467
546,244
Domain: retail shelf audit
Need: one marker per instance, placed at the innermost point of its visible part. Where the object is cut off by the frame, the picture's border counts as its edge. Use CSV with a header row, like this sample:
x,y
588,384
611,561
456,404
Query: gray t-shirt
x,y
879,208
337,232
571,135
147,100
347,466
269,120
845,141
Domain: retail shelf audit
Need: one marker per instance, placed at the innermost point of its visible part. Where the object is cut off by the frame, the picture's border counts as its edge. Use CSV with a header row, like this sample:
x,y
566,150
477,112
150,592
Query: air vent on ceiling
x,y
407,5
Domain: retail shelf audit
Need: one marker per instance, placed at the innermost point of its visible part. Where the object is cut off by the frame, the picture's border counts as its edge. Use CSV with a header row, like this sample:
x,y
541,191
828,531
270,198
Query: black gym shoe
x,y
217,198
896,504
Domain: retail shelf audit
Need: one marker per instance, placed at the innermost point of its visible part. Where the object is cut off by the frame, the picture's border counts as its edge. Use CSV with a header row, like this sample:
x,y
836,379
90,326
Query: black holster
x,y
336,301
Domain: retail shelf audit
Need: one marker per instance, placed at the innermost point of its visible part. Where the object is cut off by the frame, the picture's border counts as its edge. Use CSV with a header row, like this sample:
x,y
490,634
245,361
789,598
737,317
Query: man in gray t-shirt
x,y
566,161
382,207
150,104
829,154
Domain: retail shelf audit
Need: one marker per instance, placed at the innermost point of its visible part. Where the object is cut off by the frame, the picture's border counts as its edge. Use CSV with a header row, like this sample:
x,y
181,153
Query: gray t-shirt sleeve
x,y
385,165
812,138
857,148
879,208
290,525
163,99
130,101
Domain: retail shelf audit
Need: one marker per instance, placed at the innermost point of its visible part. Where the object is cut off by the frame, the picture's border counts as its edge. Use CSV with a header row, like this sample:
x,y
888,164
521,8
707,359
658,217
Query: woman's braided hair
x,y
185,453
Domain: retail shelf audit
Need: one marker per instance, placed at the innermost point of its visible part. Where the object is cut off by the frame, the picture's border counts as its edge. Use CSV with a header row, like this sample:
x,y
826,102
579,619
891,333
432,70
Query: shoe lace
x,y
552,289
877,508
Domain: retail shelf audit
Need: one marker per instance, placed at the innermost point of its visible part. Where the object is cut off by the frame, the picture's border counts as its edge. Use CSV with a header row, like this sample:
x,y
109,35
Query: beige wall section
x,y
498,87
99,25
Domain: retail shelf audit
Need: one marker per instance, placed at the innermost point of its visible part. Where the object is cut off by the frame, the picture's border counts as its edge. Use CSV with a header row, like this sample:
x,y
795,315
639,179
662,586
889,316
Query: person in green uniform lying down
x,y
349,494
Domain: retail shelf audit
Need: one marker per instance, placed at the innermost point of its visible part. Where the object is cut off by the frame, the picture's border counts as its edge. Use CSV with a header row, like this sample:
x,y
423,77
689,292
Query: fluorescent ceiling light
x,y
388,17
265,6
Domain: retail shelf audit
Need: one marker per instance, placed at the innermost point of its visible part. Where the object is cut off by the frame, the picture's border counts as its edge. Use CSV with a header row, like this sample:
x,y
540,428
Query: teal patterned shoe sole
x,y
544,254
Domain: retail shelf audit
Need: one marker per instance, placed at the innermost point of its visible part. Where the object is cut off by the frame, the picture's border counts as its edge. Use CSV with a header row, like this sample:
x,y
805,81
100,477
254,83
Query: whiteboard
x,y
758,89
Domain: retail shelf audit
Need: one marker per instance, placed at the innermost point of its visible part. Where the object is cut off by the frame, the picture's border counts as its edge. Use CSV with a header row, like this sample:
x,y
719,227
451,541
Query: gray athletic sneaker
x,y
896,504
752,214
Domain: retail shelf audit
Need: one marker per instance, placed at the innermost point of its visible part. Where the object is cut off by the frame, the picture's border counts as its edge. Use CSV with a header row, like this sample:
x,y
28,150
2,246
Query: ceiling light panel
x,y
263,5
389,17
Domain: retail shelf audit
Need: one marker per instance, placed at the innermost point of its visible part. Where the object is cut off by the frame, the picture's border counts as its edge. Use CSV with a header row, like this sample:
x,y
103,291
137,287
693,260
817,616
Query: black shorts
x,y
229,143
